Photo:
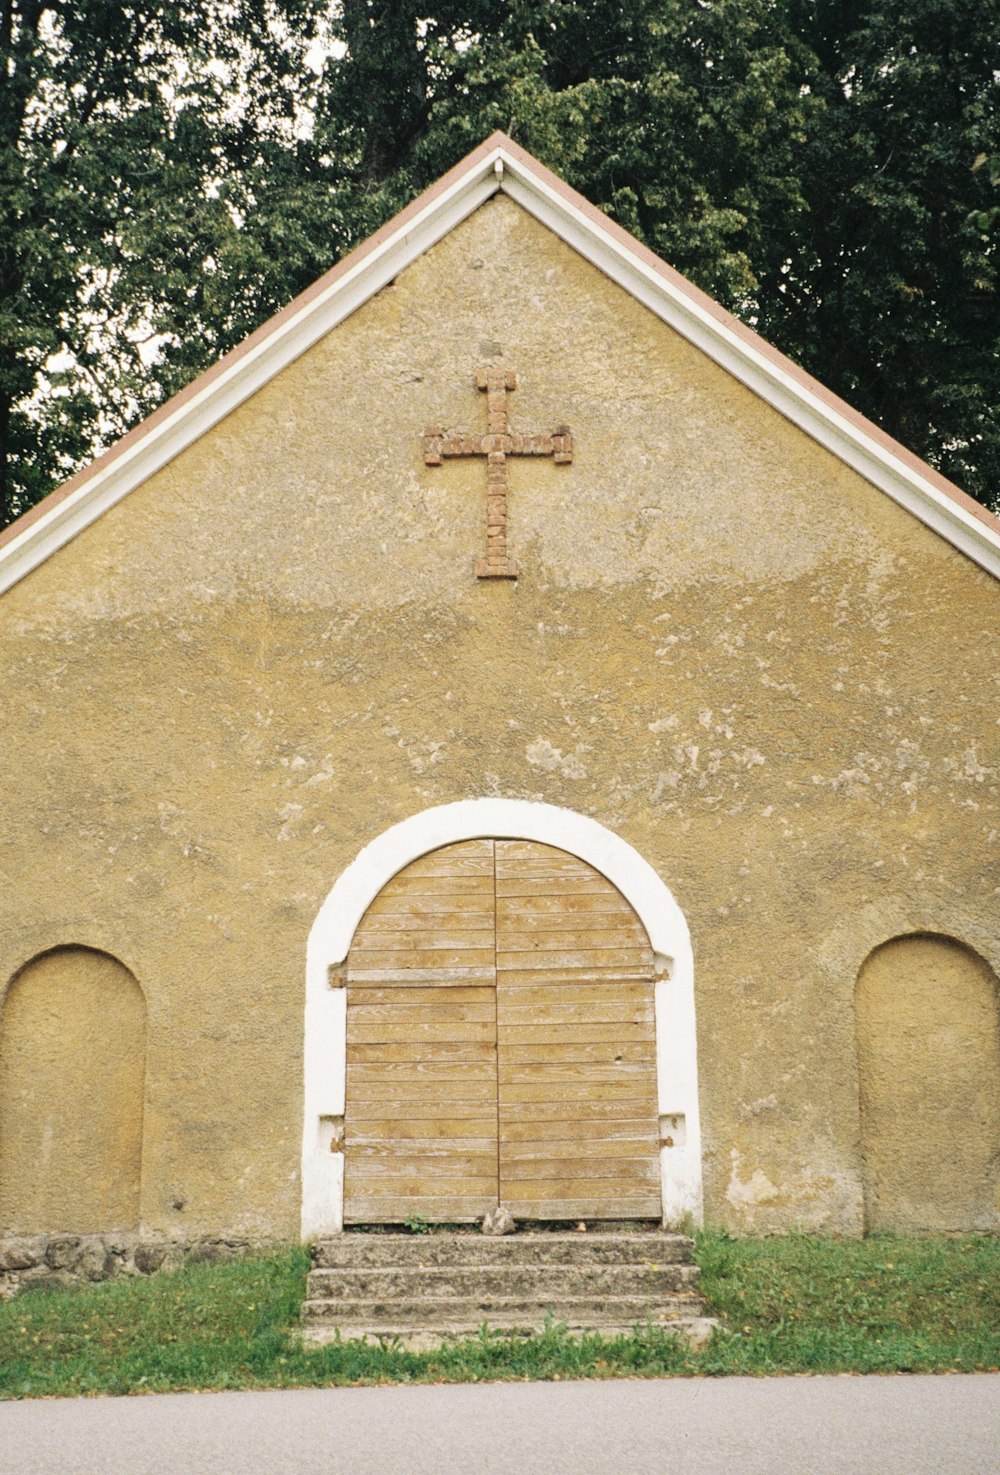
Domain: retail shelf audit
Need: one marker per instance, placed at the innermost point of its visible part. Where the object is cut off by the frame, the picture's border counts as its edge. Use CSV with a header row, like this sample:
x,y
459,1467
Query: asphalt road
x,y
731,1426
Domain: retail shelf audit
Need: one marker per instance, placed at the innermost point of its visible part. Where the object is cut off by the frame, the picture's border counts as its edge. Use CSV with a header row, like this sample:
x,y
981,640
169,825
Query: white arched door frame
x,y
501,819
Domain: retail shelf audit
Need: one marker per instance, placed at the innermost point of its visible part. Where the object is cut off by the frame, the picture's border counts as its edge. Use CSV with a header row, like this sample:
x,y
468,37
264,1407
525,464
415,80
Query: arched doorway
x,y
665,1179
500,1043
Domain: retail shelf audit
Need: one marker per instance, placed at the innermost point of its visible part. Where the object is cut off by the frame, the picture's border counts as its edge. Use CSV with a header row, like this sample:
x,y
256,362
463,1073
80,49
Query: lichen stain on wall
x,y
725,646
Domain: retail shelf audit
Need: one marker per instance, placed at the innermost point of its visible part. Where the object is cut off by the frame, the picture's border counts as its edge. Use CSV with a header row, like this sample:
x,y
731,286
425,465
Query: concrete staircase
x,y
423,1289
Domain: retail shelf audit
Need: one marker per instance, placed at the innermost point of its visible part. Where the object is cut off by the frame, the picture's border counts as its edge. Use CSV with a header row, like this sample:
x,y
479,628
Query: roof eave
x,y
498,163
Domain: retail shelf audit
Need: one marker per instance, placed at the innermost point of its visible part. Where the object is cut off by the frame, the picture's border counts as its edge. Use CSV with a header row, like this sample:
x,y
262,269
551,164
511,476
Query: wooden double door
x,y
500,1043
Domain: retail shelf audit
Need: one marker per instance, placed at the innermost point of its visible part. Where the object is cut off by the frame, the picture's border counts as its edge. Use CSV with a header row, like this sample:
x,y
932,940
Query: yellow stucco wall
x,y
775,684
72,1067
928,1018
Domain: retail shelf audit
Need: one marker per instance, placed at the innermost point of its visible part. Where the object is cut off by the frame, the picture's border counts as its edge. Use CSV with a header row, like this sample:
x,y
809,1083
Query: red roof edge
x,y
531,165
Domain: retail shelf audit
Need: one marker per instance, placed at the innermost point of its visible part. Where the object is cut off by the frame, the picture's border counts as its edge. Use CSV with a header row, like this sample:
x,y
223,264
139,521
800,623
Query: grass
x,y
795,1305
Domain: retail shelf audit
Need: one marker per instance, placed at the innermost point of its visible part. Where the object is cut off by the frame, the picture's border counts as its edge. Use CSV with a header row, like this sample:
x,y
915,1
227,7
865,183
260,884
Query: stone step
x,y
511,1279
392,1251
434,1311
417,1335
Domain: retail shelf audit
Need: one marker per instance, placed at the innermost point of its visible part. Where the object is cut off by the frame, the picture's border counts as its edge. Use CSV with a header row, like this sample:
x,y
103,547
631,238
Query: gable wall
x,y
770,680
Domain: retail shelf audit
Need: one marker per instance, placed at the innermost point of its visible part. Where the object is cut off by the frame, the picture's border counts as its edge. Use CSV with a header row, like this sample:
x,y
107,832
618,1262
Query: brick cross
x,y
496,445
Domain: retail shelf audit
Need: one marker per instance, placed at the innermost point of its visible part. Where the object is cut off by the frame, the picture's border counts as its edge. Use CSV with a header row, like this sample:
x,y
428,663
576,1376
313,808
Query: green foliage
x,y
801,1304
682,121
889,290
828,171
127,136
170,176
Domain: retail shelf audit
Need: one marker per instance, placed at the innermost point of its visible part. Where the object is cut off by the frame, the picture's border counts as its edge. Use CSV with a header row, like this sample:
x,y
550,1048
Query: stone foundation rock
x,y
83,1259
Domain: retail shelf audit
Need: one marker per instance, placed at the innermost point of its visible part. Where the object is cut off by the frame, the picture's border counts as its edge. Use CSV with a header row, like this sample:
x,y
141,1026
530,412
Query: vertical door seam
x,y
496,1001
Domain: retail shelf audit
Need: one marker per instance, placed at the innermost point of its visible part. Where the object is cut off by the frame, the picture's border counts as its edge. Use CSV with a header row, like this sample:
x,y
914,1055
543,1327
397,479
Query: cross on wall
x,y
496,445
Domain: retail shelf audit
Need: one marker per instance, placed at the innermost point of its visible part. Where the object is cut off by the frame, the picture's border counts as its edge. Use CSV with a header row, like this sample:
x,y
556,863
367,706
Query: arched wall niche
x,y
927,1015
72,1084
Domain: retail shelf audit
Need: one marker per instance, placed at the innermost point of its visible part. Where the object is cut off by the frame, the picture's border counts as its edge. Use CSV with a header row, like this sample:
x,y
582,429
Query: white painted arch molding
x,y
501,819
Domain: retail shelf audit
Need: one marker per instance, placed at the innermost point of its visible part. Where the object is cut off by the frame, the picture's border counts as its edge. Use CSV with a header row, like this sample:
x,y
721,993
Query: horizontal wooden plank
x,y
412,996
515,941
418,1137
634,991
648,1206
362,1032
642,1146
362,1116
423,1052
420,940
363,1209
518,885
445,903
526,849
478,845
511,1016
390,1021
551,1039
538,977
419,913
371,1032
414,1073
570,1048
469,857
396,1174
531,1128
422,1185
401,1096
390,1073
460,1053
553,1189
363,960
405,1158
589,1113
441,1011
640,1171
527,857
450,886
627,1089
565,958
524,927
418,1127
475,1021
557,1073
363,978
601,903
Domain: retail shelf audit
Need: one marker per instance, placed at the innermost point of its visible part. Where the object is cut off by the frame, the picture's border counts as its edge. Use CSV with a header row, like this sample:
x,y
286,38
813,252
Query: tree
x,y
826,168
889,290
682,121
124,135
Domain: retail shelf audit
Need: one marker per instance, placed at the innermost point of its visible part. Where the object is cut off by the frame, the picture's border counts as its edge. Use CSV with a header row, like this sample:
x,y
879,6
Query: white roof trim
x,y
291,337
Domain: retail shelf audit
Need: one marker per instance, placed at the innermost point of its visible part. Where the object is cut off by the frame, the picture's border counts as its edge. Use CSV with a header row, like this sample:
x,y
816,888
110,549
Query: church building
x,y
505,734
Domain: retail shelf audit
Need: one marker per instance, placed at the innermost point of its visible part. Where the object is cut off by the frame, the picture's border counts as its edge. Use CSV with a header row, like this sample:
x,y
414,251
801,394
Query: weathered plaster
x,y
928,1023
768,679
72,1081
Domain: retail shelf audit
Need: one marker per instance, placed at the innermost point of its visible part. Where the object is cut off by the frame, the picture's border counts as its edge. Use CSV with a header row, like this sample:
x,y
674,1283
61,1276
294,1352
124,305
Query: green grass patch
x,y
879,1305
801,1304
